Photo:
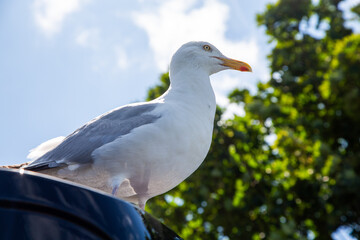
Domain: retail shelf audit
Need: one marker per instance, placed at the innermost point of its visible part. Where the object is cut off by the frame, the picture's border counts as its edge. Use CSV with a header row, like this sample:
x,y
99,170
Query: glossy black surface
x,y
33,206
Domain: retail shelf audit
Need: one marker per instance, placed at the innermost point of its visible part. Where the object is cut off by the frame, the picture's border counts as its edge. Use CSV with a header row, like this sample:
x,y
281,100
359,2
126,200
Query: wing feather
x,y
78,146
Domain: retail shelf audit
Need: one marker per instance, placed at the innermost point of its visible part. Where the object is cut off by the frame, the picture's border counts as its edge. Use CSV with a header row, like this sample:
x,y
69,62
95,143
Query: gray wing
x,y
78,146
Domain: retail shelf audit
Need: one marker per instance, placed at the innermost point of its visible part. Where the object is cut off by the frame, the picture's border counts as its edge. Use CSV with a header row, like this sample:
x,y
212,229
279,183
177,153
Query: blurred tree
x,y
306,183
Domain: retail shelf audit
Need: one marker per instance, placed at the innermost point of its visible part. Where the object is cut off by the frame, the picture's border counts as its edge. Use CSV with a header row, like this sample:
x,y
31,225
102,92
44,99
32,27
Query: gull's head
x,y
203,56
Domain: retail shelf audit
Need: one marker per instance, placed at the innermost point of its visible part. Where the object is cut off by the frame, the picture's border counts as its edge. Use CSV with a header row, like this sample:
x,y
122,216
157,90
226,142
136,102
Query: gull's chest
x,y
185,138
189,130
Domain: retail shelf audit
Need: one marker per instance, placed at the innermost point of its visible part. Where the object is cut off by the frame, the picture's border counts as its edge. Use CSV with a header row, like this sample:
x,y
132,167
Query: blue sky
x,y
64,62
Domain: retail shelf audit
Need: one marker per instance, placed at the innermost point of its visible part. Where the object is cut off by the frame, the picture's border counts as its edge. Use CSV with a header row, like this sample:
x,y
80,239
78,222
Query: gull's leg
x,y
115,183
142,202
141,186
114,190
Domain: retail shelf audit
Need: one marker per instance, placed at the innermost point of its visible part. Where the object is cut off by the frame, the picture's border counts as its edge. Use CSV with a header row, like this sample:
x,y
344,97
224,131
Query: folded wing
x,y
78,146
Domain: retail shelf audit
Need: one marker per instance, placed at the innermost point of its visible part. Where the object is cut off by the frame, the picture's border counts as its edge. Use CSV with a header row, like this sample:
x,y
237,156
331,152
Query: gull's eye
x,y
207,48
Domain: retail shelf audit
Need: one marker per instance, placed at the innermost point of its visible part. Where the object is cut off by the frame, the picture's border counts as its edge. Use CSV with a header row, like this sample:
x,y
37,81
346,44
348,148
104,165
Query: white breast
x,y
161,154
154,158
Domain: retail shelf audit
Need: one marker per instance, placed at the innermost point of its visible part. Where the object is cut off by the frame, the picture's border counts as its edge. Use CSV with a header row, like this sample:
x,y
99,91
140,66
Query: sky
x,y
64,62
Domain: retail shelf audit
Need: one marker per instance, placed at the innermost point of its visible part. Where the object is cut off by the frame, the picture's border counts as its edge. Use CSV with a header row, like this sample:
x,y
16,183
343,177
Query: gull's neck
x,y
192,86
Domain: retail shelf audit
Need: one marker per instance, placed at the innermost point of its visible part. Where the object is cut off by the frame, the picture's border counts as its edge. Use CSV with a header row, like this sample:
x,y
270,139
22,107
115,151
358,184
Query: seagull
x,y
142,150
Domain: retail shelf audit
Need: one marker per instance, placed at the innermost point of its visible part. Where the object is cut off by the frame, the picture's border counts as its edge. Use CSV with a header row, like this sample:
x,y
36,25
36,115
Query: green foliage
x,y
159,89
356,9
306,183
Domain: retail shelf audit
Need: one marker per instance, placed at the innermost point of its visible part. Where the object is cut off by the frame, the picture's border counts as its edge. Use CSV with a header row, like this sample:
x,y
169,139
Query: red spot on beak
x,y
244,69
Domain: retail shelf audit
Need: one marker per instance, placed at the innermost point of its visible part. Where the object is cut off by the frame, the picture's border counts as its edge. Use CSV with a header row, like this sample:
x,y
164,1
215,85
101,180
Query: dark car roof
x,y
35,206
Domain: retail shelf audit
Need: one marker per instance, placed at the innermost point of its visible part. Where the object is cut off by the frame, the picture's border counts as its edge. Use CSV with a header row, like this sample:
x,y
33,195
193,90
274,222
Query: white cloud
x,y
122,58
49,14
222,84
177,21
88,38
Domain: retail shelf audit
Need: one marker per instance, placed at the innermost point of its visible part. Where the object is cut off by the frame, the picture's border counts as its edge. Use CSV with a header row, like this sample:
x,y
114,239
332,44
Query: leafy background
x,y
289,168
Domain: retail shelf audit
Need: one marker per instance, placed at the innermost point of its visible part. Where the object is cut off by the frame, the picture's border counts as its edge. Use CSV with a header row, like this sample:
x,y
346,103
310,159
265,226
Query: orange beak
x,y
235,64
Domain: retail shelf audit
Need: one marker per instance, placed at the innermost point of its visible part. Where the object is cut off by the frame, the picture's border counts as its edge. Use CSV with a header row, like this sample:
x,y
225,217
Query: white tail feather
x,y
43,148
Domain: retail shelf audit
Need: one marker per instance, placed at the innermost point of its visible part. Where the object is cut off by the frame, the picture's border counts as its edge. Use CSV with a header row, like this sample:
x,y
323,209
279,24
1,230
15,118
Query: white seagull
x,y
141,150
